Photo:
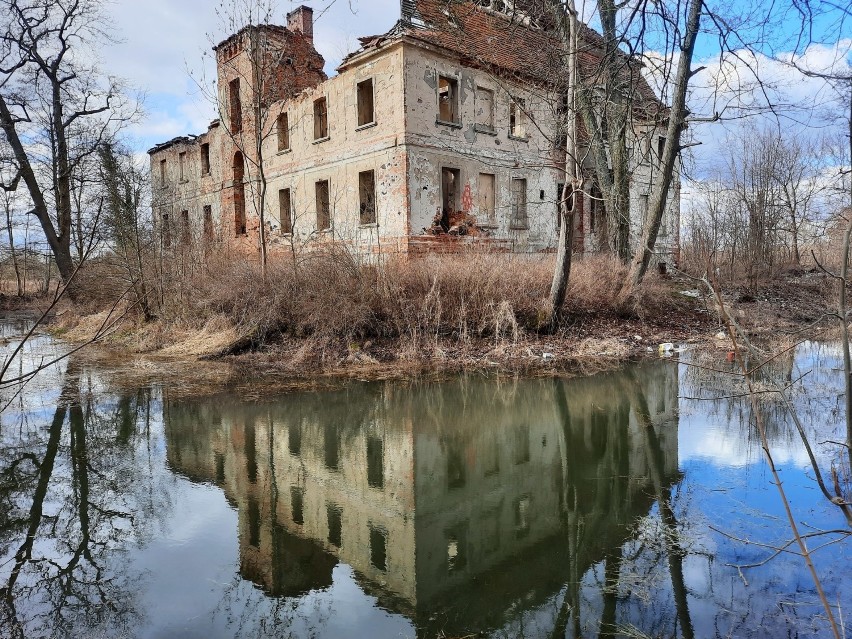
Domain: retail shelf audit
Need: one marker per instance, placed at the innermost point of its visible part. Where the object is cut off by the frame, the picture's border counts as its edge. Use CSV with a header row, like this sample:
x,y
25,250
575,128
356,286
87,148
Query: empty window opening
x,y
560,187
182,165
502,6
376,462
335,525
366,110
485,190
448,101
283,130
184,228
484,108
167,231
450,181
297,505
294,440
519,204
522,444
220,468
597,210
208,222
236,107
251,453
490,526
491,457
205,159
320,119
367,195
516,118
522,516
332,447
162,172
643,209
239,195
285,215
455,467
378,547
661,146
456,549
564,104
253,522
323,206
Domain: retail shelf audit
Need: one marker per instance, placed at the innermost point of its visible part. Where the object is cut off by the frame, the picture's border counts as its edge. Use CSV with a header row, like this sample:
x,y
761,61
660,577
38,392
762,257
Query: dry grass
x,y
334,314
331,296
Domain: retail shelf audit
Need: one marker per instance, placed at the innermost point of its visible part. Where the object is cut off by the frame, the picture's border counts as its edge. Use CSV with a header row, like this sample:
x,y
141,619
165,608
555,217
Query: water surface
x,y
613,505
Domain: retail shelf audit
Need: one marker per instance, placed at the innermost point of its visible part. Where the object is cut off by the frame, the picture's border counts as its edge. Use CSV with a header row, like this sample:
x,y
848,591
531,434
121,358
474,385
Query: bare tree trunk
x,y
46,273
844,335
7,201
261,115
847,367
59,241
671,150
568,197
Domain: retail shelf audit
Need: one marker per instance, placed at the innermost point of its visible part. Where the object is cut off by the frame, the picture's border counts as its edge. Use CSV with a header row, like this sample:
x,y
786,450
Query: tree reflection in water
x,y
519,508
75,495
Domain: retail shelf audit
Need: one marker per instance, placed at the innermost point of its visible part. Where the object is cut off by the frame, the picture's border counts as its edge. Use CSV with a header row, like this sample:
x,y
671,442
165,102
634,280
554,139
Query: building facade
x,y
439,134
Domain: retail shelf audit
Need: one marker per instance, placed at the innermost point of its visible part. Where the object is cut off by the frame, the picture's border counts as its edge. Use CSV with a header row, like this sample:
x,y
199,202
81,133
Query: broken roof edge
x,y
181,139
277,28
371,46
414,28
189,138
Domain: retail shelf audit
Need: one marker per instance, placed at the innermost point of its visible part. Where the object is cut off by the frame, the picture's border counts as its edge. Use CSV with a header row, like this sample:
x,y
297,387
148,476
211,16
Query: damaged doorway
x,y
450,180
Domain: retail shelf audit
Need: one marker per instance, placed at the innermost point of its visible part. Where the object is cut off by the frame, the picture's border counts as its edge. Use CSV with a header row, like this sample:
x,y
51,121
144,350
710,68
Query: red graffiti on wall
x,y
467,199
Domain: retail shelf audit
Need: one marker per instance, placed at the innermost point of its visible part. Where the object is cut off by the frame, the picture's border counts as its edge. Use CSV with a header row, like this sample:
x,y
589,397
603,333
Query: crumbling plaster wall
x,y
339,158
172,195
473,150
645,169
288,65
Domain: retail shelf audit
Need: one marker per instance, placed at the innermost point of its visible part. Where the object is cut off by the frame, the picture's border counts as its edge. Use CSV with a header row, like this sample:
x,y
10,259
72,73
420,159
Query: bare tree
x,y
798,175
568,29
124,187
55,107
687,25
8,207
766,202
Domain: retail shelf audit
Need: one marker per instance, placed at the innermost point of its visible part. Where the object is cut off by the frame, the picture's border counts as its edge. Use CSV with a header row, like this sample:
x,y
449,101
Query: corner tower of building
x,y
257,67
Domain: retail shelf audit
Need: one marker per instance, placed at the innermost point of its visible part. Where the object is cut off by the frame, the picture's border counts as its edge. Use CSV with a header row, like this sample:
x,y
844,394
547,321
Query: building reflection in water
x,y
455,503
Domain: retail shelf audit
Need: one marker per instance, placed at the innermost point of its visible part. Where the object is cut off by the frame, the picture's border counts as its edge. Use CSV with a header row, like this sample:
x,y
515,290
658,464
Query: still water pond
x,y
613,505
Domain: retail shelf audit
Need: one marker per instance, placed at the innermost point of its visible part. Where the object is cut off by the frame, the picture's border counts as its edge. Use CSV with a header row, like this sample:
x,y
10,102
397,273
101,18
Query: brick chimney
x,y
302,19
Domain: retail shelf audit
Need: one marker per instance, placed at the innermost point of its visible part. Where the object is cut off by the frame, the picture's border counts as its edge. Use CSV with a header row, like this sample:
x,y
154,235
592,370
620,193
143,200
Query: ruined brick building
x,y
442,132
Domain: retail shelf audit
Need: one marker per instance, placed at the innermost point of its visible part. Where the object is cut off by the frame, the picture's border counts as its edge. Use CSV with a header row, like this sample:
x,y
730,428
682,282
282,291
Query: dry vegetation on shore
x,y
335,315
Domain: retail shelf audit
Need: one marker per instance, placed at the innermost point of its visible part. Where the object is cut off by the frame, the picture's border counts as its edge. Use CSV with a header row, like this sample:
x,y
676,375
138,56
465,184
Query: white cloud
x,y
162,42
764,92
